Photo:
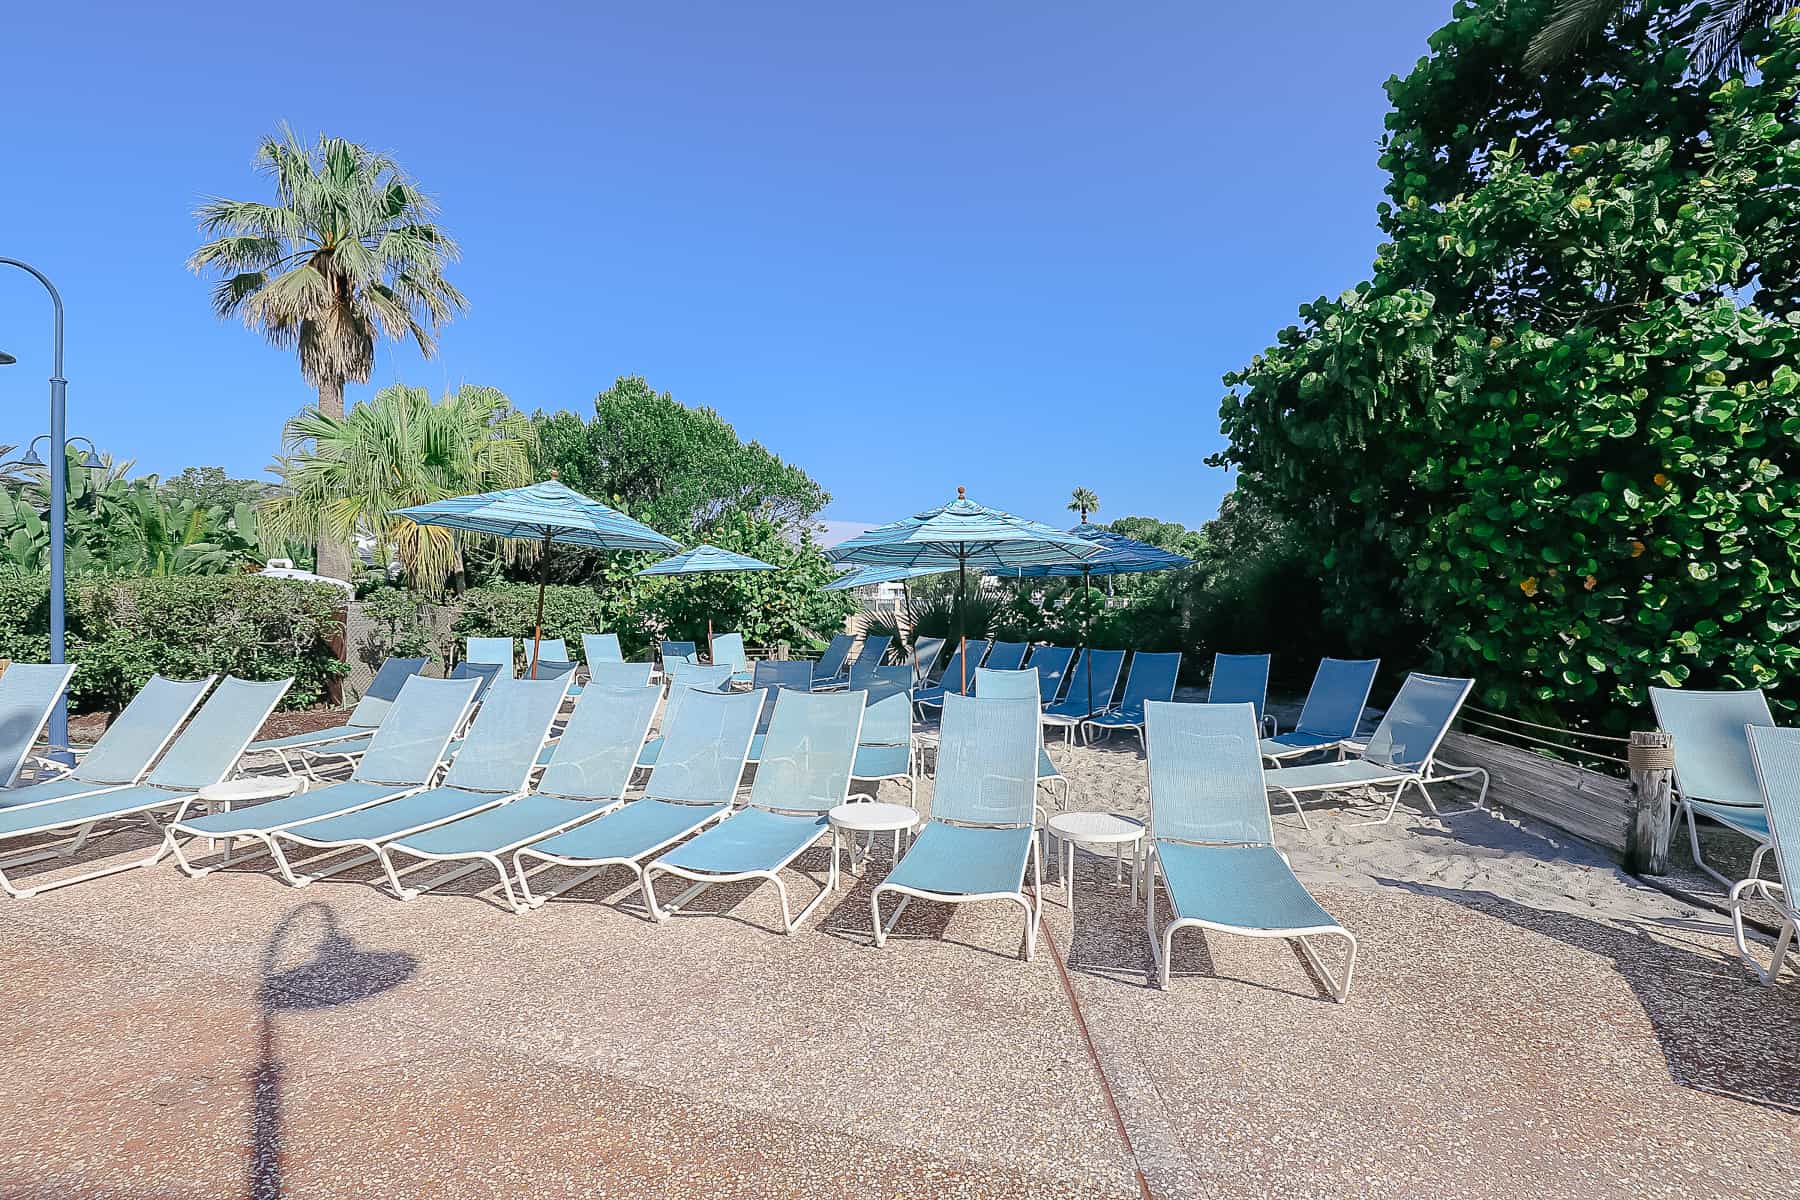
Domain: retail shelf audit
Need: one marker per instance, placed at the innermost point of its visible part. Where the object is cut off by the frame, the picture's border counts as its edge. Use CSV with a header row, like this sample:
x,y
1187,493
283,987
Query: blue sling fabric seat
x,y
1211,840
134,740
203,755
692,786
803,775
981,837
1333,710
492,767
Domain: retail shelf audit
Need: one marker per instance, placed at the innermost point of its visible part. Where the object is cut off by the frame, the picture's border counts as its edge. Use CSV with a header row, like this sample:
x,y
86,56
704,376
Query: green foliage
x,y
125,526
510,610
345,476
680,470
211,487
398,627
123,630
767,607
1555,431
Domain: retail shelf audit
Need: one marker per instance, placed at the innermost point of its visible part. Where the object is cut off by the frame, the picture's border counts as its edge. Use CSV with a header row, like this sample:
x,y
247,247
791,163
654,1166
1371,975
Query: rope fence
x,y
1578,743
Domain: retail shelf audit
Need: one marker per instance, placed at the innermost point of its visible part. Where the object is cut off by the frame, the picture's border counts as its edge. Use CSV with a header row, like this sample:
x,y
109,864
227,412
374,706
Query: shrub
x,y
510,610
123,630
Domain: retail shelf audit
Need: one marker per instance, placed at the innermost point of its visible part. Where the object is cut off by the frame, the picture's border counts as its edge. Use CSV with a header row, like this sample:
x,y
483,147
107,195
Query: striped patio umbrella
x,y
547,512
706,559
1119,555
960,535
869,576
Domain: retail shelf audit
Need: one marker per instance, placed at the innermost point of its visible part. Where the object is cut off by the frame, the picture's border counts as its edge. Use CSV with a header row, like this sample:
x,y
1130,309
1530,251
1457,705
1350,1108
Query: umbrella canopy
x,y
960,535
550,511
1119,555
868,576
703,558
547,512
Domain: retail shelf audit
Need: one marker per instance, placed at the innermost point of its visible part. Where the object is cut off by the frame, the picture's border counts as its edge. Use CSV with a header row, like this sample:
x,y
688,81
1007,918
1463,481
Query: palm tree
x,y
1717,41
1083,501
344,476
346,253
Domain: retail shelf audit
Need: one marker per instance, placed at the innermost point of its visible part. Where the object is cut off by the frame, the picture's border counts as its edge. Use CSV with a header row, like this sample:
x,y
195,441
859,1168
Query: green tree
x,y
1084,502
1716,33
1555,432
681,470
344,476
348,252
767,607
211,487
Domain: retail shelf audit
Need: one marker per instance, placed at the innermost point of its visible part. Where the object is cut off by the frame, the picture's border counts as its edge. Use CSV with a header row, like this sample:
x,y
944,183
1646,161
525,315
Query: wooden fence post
x,y
1652,760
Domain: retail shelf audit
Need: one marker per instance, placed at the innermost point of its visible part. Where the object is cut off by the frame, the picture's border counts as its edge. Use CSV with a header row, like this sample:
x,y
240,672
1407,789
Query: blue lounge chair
x,y
601,648
1402,753
403,757
687,680
1052,665
833,667
364,719
950,683
1082,701
1152,677
1714,776
347,752
693,785
134,740
587,776
672,649
1775,754
981,836
28,694
1333,710
884,751
619,674
1006,656
727,650
868,664
774,677
502,652
546,650
1211,839
1024,685
492,767
1242,679
203,755
804,774
924,656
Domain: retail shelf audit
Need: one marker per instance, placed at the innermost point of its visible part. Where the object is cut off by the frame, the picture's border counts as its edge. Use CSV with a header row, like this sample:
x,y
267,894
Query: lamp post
x,y
59,487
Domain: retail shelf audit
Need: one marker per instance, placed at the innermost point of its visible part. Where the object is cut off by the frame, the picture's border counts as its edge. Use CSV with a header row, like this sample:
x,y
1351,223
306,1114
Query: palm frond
x,y
1567,30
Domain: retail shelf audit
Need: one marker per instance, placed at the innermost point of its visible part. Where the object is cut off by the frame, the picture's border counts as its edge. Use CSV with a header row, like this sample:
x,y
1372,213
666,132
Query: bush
x,y
399,627
123,630
510,610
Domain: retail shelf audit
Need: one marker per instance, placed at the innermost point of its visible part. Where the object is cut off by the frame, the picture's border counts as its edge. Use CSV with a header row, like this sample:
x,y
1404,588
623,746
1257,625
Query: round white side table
x,y
219,797
849,820
1097,829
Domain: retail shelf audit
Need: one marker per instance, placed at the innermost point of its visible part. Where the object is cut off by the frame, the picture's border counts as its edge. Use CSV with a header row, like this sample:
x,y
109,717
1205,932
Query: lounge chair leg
x,y
1394,804
1298,811
1766,890
1339,989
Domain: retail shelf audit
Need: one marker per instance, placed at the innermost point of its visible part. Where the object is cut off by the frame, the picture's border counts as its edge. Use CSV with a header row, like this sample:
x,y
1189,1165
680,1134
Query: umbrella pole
x,y
537,638
1087,583
962,621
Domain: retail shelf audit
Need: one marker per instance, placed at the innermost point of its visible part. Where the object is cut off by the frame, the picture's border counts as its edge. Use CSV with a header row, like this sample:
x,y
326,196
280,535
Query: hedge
x,y
123,630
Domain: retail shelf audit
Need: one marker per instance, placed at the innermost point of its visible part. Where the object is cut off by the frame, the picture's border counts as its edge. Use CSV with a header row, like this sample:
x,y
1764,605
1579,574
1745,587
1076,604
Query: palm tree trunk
x,y
333,557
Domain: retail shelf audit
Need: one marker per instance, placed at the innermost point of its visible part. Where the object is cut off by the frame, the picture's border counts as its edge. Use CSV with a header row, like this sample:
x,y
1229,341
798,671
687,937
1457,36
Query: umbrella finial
x,y
962,493
556,472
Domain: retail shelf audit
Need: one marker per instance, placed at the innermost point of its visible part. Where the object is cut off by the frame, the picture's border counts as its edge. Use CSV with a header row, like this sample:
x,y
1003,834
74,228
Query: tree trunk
x,y
333,558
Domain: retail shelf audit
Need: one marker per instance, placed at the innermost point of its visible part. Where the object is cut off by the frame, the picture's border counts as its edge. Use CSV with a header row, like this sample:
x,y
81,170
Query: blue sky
x,y
1006,246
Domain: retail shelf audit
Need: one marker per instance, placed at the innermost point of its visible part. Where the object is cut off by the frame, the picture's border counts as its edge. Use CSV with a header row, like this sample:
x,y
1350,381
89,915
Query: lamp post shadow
x,y
336,974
